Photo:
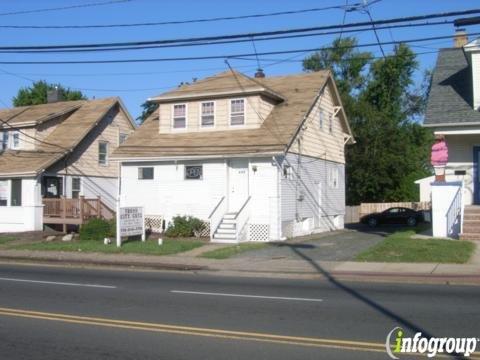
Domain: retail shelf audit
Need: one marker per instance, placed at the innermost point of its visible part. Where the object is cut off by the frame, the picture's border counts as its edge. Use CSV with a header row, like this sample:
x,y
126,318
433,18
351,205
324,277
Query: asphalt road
x,y
66,313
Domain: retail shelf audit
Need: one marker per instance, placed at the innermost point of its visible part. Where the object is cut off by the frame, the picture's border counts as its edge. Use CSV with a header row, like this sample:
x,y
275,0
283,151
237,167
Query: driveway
x,y
338,246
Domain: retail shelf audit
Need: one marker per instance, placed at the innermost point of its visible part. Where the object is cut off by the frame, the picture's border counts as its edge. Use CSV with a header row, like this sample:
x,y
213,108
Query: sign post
x,y
130,221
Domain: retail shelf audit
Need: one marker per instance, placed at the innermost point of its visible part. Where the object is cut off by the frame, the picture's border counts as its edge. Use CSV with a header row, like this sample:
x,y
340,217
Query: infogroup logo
x,y
398,343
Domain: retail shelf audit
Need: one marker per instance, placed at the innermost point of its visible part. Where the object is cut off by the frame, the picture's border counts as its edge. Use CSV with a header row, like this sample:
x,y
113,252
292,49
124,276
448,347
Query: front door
x,y
52,186
237,184
476,174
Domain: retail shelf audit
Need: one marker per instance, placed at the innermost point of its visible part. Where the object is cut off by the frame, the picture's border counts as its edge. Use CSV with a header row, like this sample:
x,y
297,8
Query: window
x,y
320,119
4,139
179,116
237,112
208,114
102,153
3,192
16,140
122,138
194,172
330,123
333,178
76,187
145,173
16,195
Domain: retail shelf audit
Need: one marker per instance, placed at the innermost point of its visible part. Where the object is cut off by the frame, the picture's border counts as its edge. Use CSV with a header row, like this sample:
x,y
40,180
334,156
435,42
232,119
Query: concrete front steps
x,y
227,230
471,223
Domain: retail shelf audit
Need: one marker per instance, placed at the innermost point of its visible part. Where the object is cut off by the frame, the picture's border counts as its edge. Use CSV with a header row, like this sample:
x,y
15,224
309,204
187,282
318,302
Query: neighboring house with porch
x,y
256,159
453,110
55,163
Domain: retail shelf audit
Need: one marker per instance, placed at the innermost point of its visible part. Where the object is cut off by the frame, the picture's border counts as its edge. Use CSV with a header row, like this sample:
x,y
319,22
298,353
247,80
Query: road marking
x,y
57,283
206,332
244,295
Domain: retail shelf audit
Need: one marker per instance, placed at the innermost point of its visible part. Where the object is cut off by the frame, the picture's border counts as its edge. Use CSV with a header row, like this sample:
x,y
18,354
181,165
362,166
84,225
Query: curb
x,y
127,264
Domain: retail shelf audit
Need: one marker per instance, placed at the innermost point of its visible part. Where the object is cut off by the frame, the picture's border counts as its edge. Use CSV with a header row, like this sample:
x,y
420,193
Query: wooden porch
x,y
74,211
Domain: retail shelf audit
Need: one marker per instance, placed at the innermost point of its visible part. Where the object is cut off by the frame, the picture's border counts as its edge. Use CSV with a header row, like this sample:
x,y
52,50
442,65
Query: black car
x,y
394,215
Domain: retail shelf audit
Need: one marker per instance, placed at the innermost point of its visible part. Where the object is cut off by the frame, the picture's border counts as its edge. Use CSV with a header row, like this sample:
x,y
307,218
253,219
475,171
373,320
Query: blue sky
x,y
135,82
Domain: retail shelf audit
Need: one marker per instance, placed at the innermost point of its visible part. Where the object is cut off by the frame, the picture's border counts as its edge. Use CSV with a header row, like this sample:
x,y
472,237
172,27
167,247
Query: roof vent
x,y
54,95
460,39
259,73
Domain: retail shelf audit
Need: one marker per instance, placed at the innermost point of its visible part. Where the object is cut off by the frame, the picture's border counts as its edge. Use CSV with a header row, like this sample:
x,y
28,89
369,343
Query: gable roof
x,y
273,136
451,100
229,83
84,116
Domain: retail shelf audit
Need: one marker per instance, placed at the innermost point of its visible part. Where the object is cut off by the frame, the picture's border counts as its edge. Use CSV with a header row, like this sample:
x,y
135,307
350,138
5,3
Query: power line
x,y
242,35
223,56
63,8
175,22
190,44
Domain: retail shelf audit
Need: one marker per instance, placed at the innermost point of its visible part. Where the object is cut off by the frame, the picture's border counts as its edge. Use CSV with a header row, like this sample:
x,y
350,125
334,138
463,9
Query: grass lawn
x,y
149,247
5,239
229,251
400,247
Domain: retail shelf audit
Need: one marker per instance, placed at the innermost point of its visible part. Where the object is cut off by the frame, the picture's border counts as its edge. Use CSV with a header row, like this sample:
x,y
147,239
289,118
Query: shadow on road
x,y
404,323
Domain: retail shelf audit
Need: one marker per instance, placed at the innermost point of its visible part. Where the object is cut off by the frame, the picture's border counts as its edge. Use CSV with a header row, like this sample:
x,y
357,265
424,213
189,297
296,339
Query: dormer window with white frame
x,y
179,116
207,114
15,140
237,112
4,140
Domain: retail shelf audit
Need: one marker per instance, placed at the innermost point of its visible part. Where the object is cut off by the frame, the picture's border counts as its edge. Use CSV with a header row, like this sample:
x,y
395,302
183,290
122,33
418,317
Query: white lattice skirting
x,y
154,223
259,232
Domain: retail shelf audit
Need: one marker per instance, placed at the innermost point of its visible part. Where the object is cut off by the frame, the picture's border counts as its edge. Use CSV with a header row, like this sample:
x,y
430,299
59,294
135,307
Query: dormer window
x,y
237,112
16,140
179,116
208,114
4,140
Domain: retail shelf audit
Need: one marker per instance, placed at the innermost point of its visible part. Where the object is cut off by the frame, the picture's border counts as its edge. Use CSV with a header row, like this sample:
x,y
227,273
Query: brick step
x,y
470,236
471,228
472,217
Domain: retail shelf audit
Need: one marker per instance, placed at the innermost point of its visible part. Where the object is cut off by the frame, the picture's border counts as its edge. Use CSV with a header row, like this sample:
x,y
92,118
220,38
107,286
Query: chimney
x,y
259,73
460,39
54,95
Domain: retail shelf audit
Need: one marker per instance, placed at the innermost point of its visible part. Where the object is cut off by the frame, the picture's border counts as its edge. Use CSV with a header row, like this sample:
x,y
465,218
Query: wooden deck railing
x,y
74,211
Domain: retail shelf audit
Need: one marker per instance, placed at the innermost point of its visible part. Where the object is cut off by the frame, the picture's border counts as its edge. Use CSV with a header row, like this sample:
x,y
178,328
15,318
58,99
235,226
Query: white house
x,y
54,162
453,111
257,159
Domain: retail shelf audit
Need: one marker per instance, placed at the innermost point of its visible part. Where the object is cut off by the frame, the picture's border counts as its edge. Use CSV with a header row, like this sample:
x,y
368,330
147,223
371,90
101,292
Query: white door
x,y
237,184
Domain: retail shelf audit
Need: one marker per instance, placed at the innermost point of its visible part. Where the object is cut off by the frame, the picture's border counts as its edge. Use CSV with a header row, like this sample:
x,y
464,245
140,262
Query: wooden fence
x,y
354,213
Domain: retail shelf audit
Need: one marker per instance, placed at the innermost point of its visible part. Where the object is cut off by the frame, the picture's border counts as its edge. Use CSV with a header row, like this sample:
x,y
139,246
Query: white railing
x,y
216,215
455,214
241,220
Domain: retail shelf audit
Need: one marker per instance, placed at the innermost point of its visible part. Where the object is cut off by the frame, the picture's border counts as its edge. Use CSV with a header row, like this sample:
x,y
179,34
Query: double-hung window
x,y
4,139
76,187
330,123
237,112
208,114
3,192
103,153
16,193
15,140
122,138
179,116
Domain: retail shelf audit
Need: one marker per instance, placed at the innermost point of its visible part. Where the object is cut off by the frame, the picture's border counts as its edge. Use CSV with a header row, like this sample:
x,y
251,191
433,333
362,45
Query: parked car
x,y
394,215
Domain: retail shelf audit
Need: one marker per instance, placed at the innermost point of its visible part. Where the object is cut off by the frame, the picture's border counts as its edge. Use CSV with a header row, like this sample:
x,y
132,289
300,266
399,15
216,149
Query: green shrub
x,y
184,226
97,229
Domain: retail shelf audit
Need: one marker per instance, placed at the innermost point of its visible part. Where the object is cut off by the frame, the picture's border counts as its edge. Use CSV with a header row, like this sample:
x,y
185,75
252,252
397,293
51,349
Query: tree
x,y
37,94
391,149
148,109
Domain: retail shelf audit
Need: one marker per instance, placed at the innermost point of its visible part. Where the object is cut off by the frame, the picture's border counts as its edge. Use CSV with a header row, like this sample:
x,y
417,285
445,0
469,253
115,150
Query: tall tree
x,y
391,149
148,108
37,94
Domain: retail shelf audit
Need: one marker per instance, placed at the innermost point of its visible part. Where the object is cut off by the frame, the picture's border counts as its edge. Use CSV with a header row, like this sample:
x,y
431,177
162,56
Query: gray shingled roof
x,y
450,99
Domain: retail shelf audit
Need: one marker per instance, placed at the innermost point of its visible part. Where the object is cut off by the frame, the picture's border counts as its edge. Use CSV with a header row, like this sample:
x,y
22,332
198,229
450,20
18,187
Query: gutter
x,y
196,157
477,123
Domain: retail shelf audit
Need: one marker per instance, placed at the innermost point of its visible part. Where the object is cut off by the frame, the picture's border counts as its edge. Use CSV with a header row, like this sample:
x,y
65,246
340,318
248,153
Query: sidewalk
x,y
276,268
